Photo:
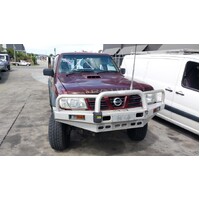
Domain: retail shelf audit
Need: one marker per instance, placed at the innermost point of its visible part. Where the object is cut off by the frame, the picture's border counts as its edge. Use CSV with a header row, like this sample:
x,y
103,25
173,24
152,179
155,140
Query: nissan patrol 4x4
x,y
89,91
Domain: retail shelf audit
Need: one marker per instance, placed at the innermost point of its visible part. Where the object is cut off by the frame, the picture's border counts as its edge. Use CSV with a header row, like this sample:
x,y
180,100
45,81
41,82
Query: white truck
x,y
176,72
22,63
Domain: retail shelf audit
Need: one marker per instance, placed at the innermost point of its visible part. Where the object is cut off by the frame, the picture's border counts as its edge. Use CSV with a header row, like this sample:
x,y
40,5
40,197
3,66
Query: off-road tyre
x,y
50,102
137,134
59,134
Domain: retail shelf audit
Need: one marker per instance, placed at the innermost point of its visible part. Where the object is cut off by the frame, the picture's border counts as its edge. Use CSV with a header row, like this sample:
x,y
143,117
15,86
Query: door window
x,y
190,78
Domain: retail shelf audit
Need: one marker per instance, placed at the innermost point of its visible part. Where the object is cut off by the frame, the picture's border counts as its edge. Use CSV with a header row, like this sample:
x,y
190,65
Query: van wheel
x,y
59,134
137,134
8,67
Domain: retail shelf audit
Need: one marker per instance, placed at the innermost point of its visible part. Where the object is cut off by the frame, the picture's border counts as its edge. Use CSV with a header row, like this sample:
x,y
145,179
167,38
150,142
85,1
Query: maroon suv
x,y
89,91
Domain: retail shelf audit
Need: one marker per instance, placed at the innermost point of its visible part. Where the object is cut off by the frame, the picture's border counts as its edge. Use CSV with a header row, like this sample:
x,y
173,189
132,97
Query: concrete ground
x,y
24,115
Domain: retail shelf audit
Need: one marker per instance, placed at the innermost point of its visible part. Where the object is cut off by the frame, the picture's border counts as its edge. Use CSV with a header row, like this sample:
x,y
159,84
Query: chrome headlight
x,y
151,98
72,103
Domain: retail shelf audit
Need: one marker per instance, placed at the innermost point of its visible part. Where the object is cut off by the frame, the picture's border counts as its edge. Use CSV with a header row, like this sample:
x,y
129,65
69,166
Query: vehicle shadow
x,y
177,128
109,144
4,76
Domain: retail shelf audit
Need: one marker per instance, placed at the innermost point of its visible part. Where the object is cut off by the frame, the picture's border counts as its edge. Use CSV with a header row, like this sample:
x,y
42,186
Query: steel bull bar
x,y
97,114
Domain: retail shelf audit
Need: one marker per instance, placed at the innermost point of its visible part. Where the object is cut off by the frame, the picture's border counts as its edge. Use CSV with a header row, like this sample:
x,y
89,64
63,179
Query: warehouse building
x,y
118,51
16,47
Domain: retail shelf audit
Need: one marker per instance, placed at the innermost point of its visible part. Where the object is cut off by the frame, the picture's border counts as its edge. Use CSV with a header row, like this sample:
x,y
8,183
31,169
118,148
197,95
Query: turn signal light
x,y
77,117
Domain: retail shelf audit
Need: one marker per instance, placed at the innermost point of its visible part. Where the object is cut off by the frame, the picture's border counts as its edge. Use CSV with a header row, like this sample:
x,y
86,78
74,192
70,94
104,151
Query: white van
x,y
178,74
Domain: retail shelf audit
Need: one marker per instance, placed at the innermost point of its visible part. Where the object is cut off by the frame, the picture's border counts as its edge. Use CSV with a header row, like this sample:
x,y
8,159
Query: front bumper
x,y
3,68
110,120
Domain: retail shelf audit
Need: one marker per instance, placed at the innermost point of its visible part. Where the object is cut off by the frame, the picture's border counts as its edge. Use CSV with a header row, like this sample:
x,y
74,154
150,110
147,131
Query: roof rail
x,y
173,51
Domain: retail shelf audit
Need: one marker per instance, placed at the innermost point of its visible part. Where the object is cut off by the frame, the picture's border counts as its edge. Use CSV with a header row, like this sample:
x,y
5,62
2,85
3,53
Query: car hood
x,y
92,83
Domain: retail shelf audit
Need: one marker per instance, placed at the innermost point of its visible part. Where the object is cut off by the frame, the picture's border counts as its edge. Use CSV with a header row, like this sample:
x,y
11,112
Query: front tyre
x,y
137,134
59,134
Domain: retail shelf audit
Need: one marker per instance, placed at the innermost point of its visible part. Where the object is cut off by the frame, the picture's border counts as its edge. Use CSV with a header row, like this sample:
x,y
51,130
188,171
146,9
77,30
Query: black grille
x,y
91,103
134,101
107,103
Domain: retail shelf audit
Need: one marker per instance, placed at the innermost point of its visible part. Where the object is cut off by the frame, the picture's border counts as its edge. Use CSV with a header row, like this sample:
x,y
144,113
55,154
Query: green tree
x,y
20,55
10,52
1,47
34,59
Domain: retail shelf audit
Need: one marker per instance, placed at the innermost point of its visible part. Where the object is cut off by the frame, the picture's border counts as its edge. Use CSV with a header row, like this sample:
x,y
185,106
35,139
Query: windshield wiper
x,y
105,72
72,72
79,71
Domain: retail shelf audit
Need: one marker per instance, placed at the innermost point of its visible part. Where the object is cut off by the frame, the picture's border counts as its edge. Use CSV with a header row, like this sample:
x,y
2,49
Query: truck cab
x,y
6,59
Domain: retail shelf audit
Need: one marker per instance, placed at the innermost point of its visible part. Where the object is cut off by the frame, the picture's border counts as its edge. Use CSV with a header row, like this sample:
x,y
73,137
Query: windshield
x,y
2,57
87,63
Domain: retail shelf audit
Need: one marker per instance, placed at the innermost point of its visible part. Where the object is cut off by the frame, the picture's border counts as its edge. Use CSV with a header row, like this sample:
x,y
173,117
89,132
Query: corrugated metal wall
x,y
126,49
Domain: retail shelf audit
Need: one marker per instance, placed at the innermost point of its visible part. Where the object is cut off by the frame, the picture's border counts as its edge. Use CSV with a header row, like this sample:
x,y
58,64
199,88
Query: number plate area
x,y
123,117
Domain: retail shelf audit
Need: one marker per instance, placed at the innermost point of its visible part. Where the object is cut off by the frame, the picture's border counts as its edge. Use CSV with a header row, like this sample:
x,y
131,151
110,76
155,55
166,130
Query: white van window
x,y
3,57
191,76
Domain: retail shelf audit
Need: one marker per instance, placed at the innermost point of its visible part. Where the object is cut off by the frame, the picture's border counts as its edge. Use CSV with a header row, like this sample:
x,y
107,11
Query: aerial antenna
x,y
131,86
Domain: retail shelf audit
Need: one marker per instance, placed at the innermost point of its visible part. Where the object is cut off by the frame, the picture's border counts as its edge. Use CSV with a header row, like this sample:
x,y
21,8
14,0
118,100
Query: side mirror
x,y
122,70
48,72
